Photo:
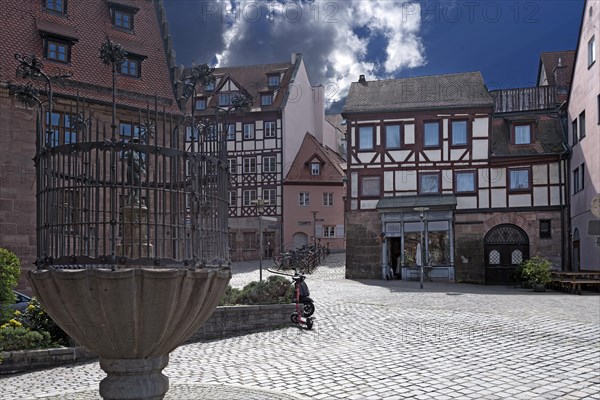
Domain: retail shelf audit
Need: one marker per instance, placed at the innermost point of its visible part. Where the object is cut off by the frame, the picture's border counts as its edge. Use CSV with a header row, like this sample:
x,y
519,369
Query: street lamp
x,y
314,214
421,211
260,210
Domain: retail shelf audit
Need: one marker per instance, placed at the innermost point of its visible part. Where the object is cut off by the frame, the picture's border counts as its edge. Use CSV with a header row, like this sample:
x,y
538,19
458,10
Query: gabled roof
x,y
549,61
253,81
465,90
332,169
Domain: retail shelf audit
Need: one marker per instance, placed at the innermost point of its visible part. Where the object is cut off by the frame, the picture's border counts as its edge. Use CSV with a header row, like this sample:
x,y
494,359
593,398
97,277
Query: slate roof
x,y
89,23
548,137
411,202
464,90
253,80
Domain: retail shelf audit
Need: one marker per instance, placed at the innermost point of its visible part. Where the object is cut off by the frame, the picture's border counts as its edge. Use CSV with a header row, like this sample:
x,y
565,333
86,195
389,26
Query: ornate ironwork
x,y
27,94
506,234
112,53
146,199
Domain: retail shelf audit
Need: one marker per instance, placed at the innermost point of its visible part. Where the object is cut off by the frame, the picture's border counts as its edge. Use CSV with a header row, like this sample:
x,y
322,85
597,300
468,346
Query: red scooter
x,y
304,304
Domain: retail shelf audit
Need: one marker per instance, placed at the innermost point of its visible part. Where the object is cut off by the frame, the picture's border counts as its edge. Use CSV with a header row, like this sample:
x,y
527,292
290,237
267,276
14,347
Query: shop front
x,y
417,228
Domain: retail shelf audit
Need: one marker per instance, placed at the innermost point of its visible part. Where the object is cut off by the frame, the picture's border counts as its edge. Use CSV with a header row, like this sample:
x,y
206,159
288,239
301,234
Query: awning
x,y
409,203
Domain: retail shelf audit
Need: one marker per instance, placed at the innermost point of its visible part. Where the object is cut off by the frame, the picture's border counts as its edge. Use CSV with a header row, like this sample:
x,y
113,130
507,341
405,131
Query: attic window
x,y
122,14
57,49
315,168
266,99
132,66
58,6
274,80
209,87
522,133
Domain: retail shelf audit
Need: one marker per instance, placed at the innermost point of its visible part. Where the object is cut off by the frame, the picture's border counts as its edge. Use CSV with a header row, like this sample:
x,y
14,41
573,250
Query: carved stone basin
x,y
131,318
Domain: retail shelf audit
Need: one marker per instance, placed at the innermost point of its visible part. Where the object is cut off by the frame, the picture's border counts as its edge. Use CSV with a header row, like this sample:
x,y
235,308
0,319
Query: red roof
x,y
89,22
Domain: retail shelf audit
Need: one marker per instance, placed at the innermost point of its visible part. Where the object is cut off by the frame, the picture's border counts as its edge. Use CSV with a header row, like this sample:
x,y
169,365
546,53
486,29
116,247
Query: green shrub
x,y
14,337
537,270
274,290
35,318
10,269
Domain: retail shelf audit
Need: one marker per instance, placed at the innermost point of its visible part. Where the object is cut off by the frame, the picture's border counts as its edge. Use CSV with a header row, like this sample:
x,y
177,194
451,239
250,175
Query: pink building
x,y
584,140
313,204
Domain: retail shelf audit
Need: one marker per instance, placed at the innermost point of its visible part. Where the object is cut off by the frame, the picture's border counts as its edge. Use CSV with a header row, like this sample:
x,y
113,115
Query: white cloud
x,y
334,37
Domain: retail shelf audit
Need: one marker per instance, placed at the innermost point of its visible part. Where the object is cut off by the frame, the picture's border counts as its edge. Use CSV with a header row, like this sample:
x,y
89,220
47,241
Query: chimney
x,y
361,79
293,58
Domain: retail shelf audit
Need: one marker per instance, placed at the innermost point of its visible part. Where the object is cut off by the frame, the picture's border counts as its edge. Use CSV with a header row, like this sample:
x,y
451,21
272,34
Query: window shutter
x,y
319,231
339,231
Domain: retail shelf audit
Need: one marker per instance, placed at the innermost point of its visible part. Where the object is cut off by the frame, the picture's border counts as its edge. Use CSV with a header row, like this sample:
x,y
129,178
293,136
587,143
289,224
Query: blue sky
x,y
379,38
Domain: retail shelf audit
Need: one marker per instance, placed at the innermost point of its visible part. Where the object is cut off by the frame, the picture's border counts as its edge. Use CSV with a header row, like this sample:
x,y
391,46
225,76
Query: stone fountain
x,y
132,239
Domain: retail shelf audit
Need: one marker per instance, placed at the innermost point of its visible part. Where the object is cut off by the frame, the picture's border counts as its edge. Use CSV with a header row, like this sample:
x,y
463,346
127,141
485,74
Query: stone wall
x,y
224,322
363,245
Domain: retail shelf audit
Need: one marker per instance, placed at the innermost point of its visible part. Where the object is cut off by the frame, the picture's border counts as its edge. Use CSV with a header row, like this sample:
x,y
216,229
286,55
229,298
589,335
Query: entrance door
x,y
505,247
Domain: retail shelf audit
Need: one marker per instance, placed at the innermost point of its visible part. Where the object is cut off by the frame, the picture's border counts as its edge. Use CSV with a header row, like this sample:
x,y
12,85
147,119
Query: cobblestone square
x,y
382,340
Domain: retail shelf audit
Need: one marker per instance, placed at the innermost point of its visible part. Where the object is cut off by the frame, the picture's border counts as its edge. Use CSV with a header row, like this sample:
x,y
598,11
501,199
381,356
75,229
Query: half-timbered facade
x,y
313,198
66,37
262,143
433,165
584,140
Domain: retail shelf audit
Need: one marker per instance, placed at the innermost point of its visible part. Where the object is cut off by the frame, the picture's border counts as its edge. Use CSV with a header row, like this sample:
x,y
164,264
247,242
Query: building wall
x,y
585,92
363,243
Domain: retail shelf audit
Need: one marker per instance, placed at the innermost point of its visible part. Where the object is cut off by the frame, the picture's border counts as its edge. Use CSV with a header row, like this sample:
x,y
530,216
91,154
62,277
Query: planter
x,y
538,287
131,318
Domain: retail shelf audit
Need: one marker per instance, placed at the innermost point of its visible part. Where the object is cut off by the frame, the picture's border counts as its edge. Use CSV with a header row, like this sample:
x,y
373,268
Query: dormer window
x,y
131,67
123,19
522,133
273,80
122,14
266,99
201,104
58,6
225,98
315,168
209,87
58,40
58,50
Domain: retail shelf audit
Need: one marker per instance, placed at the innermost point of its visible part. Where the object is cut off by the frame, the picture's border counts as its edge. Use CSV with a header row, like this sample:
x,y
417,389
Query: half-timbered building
x,y
262,143
435,163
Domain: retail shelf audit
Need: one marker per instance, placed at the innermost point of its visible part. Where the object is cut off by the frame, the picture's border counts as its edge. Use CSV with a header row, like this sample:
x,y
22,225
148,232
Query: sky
x,y
382,39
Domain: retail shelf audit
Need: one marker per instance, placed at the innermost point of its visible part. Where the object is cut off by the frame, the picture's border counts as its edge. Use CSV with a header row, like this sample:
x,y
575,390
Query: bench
x,y
574,285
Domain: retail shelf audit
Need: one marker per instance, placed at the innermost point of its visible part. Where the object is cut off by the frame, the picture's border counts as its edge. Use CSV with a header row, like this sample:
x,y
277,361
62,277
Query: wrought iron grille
x,y
140,197
506,234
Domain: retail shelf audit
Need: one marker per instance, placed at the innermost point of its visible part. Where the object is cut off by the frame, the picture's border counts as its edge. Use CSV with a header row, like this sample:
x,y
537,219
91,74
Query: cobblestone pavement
x,y
386,340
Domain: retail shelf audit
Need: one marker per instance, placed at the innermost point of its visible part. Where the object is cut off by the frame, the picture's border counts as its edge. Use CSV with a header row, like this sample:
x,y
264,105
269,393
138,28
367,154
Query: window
x,y
522,134
248,131
209,87
598,109
232,198
188,134
249,165
465,182
131,67
575,135
122,19
365,138
60,124
269,164
200,104
273,80
545,229
225,99
249,197
128,130
249,240
232,165
266,99
270,196
304,198
58,51
392,136
370,186
518,180
576,181
582,175
58,6
431,135
231,132
328,199
459,133
582,125
328,231
270,129
429,183
591,51
315,168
